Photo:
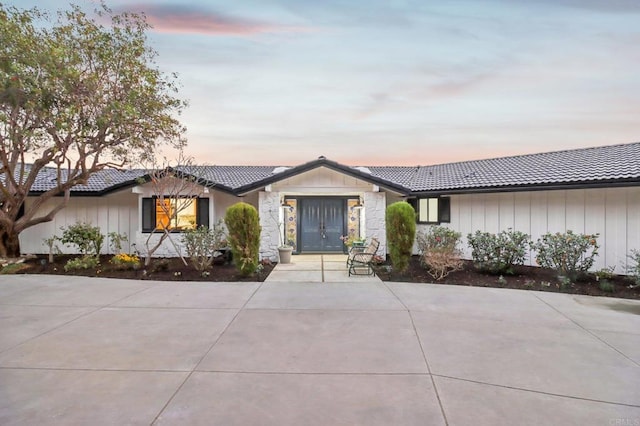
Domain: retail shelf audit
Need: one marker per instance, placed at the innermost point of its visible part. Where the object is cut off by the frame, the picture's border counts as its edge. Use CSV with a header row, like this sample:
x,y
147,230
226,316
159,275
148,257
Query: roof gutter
x,y
610,183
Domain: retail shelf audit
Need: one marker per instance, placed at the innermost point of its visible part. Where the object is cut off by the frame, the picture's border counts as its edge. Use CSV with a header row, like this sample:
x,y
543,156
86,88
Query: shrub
x,y
13,268
439,252
160,265
84,262
202,243
634,267
53,247
567,253
606,286
498,253
400,219
85,237
125,261
115,241
244,236
605,273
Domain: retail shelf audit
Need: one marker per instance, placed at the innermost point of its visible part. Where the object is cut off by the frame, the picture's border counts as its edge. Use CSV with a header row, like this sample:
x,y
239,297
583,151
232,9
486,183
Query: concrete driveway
x,y
97,351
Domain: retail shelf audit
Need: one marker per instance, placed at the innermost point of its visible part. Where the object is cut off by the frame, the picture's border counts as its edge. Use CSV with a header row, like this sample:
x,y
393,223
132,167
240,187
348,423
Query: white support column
x,y
375,204
269,211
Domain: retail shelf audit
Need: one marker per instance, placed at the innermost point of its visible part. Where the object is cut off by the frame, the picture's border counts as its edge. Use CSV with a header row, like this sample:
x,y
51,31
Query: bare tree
x,y
76,97
174,192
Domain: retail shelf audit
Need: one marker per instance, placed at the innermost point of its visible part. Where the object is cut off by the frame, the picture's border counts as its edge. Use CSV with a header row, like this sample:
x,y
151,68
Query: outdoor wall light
x,y
360,204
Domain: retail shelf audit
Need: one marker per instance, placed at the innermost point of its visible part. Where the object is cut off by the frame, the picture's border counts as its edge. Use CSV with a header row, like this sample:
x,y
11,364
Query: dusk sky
x,y
397,82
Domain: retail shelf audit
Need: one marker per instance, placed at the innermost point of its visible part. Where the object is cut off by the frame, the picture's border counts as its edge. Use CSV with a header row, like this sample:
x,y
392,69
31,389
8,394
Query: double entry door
x,y
322,223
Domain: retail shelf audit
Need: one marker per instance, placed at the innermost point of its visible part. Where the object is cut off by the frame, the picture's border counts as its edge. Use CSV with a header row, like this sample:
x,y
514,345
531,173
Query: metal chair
x,y
363,260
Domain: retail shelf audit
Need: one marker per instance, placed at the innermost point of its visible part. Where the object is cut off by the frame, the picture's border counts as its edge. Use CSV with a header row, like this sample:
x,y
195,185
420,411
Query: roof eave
x,y
550,186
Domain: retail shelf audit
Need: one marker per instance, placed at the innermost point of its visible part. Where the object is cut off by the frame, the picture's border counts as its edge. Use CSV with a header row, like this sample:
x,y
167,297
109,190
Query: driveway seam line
x,y
193,370
424,355
535,391
592,334
316,373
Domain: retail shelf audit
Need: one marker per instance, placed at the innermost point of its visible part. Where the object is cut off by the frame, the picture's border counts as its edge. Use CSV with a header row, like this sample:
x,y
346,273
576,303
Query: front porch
x,y
317,268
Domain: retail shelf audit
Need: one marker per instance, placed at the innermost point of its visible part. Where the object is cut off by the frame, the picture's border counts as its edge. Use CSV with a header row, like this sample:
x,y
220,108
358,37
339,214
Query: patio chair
x,y
363,260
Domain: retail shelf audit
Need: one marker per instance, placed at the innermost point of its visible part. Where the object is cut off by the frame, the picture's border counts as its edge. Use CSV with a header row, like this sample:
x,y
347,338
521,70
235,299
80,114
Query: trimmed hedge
x,y
243,226
400,219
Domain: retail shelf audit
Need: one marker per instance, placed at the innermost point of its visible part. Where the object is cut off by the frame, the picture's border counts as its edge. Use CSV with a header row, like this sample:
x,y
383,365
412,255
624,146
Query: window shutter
x,y
413,202
148,214
444,210
202,215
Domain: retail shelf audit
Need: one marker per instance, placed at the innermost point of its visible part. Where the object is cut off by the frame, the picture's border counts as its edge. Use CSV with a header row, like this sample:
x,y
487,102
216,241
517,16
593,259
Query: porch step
x,y
316,268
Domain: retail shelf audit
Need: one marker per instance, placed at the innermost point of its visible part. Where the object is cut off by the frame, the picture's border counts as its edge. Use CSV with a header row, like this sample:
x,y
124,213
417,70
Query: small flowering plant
x,y
351,240
439,253
125,261
568,253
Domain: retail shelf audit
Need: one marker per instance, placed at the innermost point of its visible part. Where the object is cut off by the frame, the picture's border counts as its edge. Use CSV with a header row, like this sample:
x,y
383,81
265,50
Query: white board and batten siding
x,y
116,212
614,213
321,181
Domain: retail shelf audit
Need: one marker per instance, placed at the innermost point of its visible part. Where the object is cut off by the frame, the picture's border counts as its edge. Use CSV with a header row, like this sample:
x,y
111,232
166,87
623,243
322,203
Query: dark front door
x,y
322,224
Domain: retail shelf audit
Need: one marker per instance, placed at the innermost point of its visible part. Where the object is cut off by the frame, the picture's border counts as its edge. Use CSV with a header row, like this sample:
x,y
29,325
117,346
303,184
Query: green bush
x,y
498,253
439,252
13,268
52,246
85,237
84,262
400,219
606,286
569,254
634,267
116,240
201,244
244,229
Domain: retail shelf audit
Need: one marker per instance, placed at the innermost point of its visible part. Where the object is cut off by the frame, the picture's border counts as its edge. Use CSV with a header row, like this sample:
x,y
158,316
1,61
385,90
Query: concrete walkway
x,y
317,268
77,351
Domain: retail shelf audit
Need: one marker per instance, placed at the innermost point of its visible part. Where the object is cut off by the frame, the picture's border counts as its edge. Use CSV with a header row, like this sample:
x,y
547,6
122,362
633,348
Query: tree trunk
x,y
9,243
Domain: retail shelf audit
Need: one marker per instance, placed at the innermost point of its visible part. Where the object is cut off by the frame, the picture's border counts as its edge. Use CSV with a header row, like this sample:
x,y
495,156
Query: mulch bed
x,y
172,269
161,269
525,278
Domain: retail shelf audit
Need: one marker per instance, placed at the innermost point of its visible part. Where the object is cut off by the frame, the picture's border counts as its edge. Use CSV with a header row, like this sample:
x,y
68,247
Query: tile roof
x,y
577,166
229,177
605,164
399,174
102,181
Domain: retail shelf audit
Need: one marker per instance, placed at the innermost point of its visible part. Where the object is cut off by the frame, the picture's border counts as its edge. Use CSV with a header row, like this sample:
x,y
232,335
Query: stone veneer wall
x,y
269,211
269,202
375,205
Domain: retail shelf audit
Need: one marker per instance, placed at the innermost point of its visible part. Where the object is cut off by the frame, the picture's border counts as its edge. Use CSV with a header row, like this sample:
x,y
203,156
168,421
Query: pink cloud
x,y
183,19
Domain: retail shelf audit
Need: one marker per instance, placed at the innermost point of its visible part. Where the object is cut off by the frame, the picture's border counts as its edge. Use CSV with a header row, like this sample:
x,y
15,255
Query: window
x,y
433,209
175,214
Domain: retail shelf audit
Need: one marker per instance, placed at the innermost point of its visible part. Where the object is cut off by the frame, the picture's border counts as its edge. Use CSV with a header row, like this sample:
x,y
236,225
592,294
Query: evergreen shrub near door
x,y
243,228
400,219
